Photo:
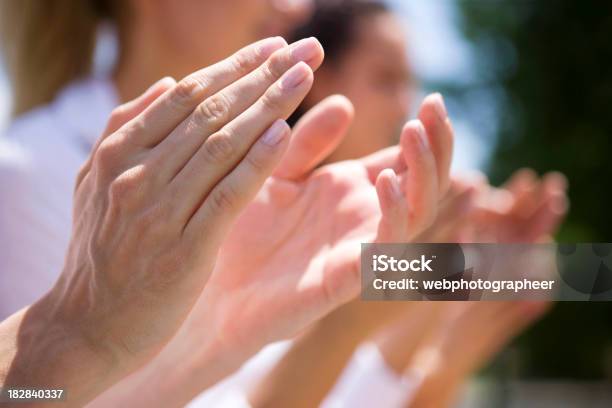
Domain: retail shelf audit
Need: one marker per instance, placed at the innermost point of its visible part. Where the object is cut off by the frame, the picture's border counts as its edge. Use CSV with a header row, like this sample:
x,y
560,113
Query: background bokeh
x,y
544,68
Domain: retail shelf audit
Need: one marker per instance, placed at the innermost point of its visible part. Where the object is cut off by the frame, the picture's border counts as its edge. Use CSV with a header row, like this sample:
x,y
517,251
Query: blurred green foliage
x,y
544,69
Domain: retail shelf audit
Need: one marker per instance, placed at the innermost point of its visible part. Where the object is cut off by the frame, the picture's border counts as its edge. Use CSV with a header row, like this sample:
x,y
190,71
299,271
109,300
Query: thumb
x,y
315,136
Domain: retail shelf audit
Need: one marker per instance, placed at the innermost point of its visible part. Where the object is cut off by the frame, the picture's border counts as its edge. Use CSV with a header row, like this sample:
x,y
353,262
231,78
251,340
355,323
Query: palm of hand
x,y
297,235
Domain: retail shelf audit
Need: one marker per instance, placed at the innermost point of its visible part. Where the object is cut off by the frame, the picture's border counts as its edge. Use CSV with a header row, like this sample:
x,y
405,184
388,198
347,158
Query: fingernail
x,y
395,185
421,136
275,134
295,76
270,45
440,106
305,50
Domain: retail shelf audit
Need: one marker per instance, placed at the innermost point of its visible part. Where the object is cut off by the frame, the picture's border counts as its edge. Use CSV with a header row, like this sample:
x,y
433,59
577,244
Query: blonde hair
x,y
46,44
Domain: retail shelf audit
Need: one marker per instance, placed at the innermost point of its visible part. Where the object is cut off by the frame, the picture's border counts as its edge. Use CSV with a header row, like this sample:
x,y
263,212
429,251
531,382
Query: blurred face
x,y
194,33
376,77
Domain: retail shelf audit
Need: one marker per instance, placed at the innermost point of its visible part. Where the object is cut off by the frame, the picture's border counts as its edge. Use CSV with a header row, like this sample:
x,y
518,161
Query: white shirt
x,y
232,392
40,155
368,381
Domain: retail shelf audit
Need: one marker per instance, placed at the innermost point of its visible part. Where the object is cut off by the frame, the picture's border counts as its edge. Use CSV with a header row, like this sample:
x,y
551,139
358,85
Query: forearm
x,y
176,376
400,341
320,356
39,350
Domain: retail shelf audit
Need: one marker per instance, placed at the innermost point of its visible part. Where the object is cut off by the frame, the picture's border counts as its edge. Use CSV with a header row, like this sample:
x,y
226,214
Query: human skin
x,y
375,75
175,37
332,342
130,280
407,331
293,192
525,209
466,335
313,221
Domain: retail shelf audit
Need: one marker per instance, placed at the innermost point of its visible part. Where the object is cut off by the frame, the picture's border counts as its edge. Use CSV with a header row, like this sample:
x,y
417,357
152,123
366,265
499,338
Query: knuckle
x,y
118,191
219,147
271,101
126,189
117,112
275,66
116,117
242,62
257,161
136,126
224,199
187,92
107,154
213,110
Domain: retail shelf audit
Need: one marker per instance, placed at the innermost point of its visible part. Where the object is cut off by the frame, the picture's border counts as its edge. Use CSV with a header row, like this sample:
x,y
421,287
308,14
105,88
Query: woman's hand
x,y
525,209
152,208
167,186
294,254
453,222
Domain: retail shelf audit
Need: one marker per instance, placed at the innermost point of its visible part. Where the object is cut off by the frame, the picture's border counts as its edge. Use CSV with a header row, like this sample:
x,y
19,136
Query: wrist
x,y
67,312
44,351
187,366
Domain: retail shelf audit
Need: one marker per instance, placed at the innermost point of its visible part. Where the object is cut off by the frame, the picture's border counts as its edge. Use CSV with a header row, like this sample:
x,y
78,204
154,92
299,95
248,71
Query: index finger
x,y
176,105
